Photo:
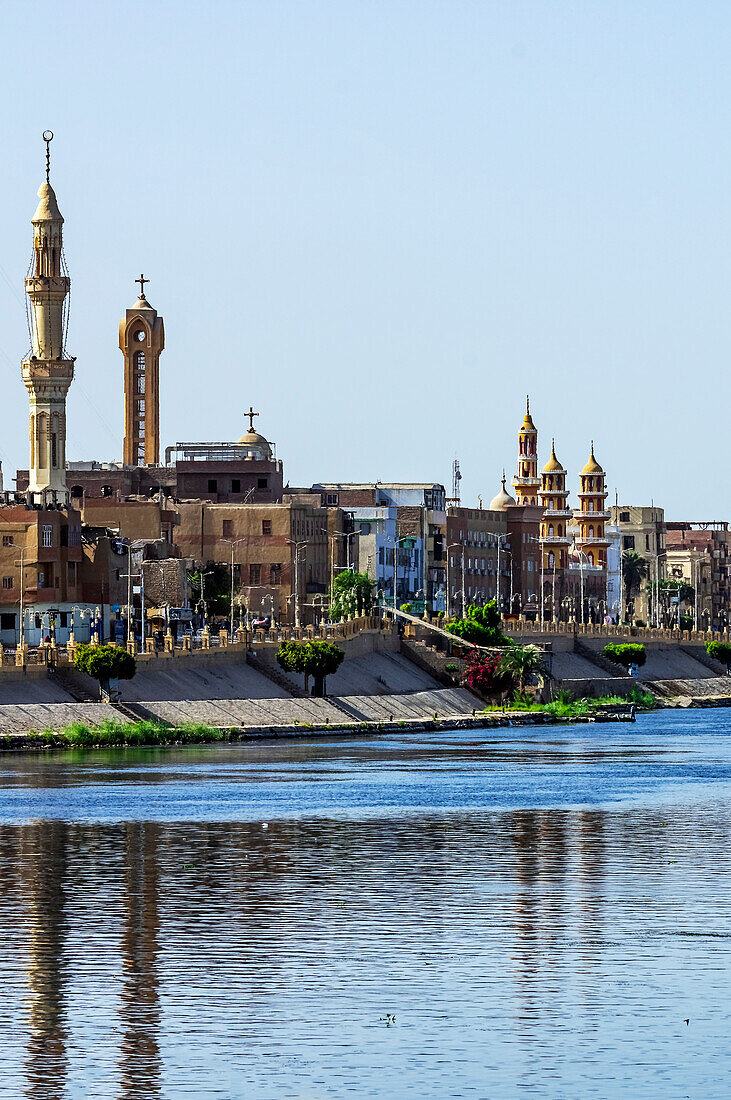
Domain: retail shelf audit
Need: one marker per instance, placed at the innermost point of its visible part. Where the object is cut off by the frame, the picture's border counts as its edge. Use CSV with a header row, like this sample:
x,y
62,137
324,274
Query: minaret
x,y
527,482
141,339
593,515
46,372
556,514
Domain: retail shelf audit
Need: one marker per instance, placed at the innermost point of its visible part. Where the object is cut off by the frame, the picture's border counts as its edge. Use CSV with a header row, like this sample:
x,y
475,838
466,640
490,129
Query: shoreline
x,y
144,735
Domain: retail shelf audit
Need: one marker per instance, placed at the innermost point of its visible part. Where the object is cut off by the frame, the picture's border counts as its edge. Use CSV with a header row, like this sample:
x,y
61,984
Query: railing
x,y
598,630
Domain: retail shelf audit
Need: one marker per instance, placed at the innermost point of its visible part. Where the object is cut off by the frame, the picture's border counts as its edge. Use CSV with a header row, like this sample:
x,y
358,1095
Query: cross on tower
x,y
142,280
251,414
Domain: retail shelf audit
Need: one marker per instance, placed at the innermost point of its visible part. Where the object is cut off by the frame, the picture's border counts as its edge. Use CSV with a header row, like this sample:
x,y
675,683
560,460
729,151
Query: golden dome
x,y
592,466
553,466
256,443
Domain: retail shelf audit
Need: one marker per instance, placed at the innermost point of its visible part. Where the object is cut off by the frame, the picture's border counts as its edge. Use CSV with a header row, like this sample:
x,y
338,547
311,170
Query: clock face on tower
x,y
140,335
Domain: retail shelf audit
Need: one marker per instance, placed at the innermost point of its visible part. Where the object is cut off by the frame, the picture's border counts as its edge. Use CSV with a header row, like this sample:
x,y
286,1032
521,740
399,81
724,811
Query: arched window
x,y
590,557
139,362
591,532
550,530
560,529
78,491
551,560
591,506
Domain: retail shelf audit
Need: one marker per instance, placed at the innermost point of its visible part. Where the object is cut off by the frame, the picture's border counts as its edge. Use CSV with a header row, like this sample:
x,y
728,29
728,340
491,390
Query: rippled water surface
x,y
497,914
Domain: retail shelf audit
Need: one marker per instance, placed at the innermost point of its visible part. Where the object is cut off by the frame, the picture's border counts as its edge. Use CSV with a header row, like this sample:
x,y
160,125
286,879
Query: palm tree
x,y
634,570
520,661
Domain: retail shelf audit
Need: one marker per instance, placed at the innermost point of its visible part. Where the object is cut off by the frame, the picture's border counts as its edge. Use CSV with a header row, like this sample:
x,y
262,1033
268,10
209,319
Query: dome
x,y
592,466
553,466
502,501
47,209
257,445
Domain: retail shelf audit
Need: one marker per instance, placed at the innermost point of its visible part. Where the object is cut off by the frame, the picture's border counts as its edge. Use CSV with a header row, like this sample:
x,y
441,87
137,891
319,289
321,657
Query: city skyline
x,y
333,275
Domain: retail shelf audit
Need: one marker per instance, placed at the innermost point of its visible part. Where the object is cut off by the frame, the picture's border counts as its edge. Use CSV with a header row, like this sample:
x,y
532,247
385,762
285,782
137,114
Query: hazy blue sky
x,y
383,223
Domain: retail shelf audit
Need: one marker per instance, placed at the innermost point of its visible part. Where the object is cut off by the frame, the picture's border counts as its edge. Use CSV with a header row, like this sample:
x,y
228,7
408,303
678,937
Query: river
x,y
539,912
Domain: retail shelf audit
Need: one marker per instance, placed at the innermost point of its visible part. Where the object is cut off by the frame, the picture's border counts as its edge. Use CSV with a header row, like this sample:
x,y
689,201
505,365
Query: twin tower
x,y
48,370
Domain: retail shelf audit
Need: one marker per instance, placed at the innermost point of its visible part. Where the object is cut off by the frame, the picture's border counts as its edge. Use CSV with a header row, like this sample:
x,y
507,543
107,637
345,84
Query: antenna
x,y
456,478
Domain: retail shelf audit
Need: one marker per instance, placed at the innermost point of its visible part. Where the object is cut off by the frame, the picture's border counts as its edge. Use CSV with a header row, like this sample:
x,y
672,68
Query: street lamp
x,y
233,543
297,547
452,546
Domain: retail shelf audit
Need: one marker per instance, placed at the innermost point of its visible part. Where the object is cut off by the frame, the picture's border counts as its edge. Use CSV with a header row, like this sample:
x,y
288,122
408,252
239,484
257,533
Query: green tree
x,y
105,663
625,653
720,651
634,570
520,662
481,625
350,595
316,658
216,589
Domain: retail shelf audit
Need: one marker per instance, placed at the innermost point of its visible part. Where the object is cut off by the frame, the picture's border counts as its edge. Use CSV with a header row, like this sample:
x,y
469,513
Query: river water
x,y
469,914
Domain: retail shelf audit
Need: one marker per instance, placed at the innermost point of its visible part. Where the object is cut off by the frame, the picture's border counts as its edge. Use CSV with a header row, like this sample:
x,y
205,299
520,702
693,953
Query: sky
x,y
383,223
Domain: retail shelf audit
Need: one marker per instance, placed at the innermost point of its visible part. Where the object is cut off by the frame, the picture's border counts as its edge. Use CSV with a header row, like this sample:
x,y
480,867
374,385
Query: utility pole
x,y
297,546
21,633
233,543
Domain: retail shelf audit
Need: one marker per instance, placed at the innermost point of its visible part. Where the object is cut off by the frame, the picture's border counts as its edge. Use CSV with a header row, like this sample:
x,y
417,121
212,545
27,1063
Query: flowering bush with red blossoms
x,y
484,675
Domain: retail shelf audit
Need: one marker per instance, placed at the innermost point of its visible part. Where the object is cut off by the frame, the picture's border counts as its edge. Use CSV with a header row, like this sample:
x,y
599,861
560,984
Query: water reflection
x,y
148,959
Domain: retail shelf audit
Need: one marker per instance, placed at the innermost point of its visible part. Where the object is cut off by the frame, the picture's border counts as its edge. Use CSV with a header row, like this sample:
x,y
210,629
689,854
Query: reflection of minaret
x,y
140,1011
46,372
44,857
141,339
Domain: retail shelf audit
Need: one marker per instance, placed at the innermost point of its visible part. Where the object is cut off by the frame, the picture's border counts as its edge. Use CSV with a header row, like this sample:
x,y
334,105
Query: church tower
x,y
527,482
593,515
141,339
47,372
557,515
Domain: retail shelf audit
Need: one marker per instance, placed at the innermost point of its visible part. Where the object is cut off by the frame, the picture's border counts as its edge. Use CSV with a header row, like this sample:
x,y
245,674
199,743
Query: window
x,y
7,621
7,540
275,573
212,485
7,582
41,581
263,483
54,450
47,535
331,498
140,362
228,528
647,542
628,542
266,527
254,574
72,573
140,383
365,528
64,617
235,485
106,490
624,517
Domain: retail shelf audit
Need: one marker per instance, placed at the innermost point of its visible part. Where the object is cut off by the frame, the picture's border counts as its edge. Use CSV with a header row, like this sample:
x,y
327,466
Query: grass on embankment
x,y
110,734
564,707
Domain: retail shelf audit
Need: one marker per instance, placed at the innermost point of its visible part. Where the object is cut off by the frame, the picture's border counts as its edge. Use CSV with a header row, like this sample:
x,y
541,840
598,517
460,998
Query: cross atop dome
x,y
251,414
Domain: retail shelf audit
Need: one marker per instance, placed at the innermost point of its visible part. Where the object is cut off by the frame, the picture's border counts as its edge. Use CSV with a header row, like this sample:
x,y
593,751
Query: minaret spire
x,y
47,374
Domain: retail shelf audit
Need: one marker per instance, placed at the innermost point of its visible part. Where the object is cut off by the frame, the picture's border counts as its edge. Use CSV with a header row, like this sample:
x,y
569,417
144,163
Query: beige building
x,y
698,553
642,528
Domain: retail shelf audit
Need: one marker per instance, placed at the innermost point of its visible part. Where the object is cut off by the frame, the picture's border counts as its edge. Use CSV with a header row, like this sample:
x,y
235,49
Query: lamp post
x,y
21,563
497,586
297,547
452,546
204,574
232,543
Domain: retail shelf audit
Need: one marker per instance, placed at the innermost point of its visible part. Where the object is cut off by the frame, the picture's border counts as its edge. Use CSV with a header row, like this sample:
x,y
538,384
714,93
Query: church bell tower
x,y
48,372
141,339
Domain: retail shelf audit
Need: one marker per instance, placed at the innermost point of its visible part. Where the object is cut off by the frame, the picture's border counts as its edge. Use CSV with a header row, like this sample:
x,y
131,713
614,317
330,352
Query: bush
x,y
481,626
625,654
406,607
484,675
720,651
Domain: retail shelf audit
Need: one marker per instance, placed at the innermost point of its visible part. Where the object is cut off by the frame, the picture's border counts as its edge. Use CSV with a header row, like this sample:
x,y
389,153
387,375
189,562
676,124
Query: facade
x,y
699,554
141,340
479,559
280,553
48,371
642,528
420,513
392,560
